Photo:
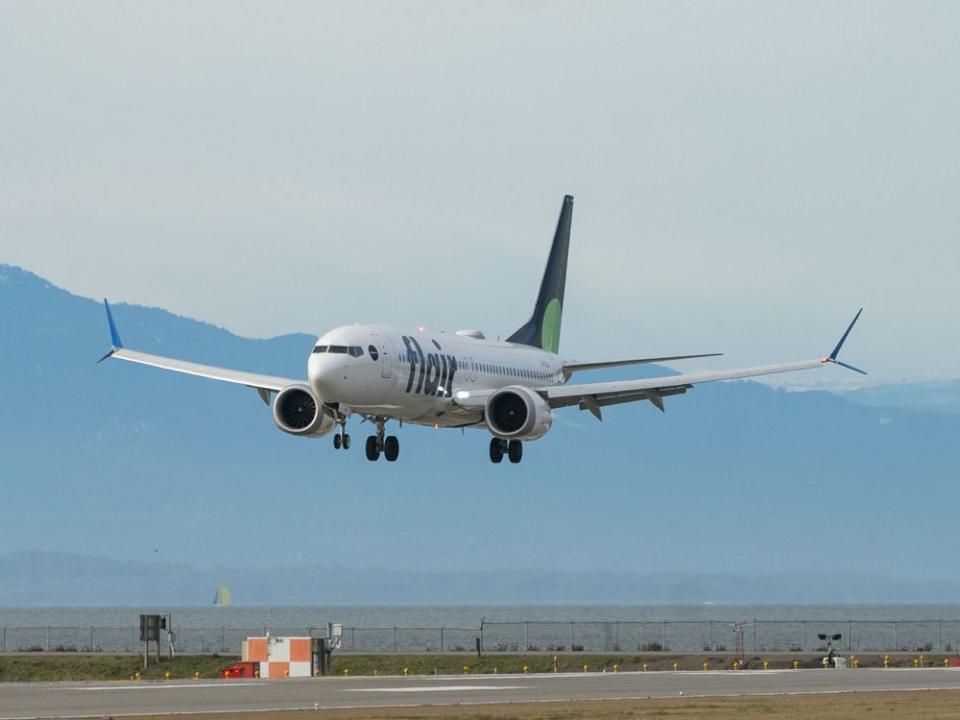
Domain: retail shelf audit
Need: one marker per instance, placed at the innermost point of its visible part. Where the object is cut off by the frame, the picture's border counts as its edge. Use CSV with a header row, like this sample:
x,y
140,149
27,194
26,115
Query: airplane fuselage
x,y
415,376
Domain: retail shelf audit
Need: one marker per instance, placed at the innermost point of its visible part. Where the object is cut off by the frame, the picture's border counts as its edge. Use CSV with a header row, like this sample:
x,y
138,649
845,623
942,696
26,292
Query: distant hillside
x,y
939,395
128,462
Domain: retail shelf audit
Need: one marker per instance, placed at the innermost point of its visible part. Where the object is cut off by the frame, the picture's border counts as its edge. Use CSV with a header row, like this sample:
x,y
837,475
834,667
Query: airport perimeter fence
x,y
755,636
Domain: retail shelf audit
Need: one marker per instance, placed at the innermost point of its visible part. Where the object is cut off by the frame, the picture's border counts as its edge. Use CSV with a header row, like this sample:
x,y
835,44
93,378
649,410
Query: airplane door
x,y
386,359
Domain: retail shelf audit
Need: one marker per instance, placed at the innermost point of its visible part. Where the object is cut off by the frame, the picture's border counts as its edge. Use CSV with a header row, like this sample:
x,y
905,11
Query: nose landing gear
x,y
376,444
341,439
513,449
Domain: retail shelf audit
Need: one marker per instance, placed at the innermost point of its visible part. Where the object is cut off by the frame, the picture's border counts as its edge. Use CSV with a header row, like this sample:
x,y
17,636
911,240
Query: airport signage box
x,y
150,628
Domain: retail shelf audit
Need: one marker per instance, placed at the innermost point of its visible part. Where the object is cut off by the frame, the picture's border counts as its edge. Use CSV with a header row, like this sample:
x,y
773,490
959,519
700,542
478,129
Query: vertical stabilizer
x,y
542,330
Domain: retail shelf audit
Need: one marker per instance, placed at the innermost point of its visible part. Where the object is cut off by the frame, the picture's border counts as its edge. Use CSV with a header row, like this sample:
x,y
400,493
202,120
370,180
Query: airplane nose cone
x,y
324,373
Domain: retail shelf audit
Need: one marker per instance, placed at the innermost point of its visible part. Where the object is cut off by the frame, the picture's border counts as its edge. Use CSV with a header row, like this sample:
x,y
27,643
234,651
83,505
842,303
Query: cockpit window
x,y
352,350
373,353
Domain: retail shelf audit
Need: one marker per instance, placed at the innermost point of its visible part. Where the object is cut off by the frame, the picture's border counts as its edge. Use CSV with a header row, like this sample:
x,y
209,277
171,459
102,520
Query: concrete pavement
x,y
50,700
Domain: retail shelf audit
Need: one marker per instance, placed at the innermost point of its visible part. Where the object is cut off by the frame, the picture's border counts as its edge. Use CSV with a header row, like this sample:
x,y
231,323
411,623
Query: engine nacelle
x,y
297,411
518,413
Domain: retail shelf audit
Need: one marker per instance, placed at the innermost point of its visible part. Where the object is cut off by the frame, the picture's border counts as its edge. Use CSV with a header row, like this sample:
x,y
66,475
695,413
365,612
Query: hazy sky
x,y
746,174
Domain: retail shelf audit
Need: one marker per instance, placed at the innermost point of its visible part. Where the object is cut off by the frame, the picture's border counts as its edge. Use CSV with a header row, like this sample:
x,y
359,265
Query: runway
x,y
51,700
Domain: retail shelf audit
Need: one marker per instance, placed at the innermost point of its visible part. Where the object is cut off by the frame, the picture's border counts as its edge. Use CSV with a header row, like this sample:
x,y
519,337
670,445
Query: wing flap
x,y
654,389
615,398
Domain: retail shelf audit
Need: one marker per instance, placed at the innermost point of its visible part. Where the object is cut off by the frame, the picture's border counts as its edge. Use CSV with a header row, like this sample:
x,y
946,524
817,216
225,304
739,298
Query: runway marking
x,y
162,687
442,688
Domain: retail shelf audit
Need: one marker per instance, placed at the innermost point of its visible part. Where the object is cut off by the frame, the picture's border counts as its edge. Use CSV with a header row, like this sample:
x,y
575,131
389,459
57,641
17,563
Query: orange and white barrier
x,y
280,657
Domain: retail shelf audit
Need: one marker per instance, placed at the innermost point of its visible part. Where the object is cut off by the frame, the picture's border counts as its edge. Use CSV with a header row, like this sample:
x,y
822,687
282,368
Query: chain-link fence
x,y
529,637
718,636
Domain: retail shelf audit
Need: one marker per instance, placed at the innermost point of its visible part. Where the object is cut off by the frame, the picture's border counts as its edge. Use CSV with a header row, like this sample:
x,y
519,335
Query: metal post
x,y
618,636
91,638
353,638
3,645
395,639
221,642
571,636
526,638
803,636
754,634
441,639
47,644
663,636
896,637
711,634
939,635
849,636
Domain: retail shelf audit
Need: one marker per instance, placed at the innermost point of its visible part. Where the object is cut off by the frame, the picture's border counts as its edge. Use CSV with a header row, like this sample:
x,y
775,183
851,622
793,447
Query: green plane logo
x,y
550,327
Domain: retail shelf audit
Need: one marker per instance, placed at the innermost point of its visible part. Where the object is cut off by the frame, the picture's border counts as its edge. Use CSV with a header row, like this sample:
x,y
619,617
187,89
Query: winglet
x,y
836,351
115,342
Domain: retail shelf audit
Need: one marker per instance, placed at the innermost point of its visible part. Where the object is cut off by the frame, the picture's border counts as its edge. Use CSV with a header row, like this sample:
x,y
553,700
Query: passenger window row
x,y
510,371
489,368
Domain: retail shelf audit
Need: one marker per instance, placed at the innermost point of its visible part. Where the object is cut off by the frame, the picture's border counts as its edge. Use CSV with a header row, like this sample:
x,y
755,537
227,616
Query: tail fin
x,y
542,330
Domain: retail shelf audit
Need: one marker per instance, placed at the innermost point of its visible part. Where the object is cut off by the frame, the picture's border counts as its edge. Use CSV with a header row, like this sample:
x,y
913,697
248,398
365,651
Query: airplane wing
x,y
263,384
572,367
594,396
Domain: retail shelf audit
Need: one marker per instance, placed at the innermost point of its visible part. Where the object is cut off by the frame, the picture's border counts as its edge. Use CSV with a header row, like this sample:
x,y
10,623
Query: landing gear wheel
x,y
337,441
515,450
496,450
373,449
391,448
346,441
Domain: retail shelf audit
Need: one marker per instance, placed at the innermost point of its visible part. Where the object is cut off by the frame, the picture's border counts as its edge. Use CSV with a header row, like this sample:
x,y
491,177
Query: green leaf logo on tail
x,y
550,327
542,330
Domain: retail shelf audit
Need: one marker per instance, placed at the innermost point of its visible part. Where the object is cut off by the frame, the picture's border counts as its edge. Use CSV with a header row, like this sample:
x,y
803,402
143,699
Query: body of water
x,y
464,616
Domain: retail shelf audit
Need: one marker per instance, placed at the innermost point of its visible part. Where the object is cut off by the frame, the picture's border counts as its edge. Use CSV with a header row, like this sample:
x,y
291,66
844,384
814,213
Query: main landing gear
x,y
376,444
513,449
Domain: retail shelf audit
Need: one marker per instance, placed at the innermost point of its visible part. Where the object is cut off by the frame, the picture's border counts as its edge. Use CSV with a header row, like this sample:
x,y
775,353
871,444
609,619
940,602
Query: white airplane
x,y
463,380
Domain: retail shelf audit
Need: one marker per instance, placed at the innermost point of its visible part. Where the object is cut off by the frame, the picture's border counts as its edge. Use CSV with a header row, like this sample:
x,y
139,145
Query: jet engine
x,y
297,411
518,413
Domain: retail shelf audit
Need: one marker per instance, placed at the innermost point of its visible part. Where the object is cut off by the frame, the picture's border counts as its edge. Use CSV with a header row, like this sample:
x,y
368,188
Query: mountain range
x,y
738,479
